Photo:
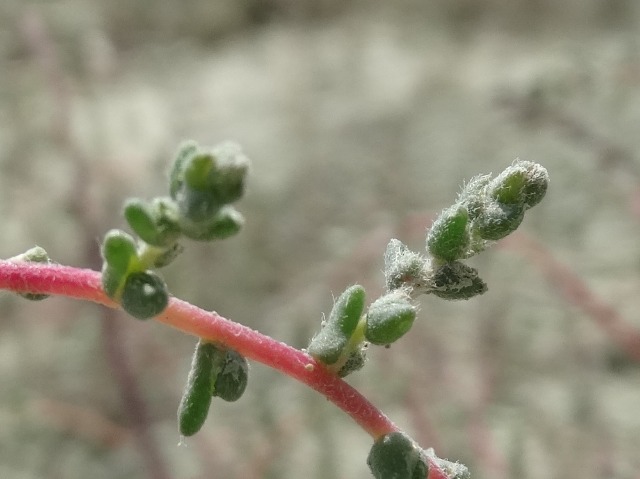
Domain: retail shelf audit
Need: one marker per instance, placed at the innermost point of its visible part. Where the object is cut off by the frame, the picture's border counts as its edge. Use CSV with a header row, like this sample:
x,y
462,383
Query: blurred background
x,y
362,119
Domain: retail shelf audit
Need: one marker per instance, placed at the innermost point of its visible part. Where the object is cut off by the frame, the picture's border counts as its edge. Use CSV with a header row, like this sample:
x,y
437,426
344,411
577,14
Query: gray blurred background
x,y
362,119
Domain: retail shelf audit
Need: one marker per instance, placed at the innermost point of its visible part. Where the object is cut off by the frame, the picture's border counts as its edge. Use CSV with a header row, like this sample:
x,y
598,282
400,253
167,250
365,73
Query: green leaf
x,y
154,222
227,222
228,179
176,175
141,220
456,280
347,309
144,295
448,237
197,169
389,318
232,378
196,398
329,344
119,258
498,220
403,268
397,456
119,250
524,182
198,206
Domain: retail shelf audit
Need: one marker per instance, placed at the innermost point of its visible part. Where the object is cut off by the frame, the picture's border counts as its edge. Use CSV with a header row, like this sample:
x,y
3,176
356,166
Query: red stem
x,y
576,291
86,284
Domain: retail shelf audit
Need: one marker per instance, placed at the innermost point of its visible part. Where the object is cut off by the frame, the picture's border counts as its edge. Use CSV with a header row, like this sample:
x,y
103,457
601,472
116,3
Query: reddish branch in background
x,y
575,291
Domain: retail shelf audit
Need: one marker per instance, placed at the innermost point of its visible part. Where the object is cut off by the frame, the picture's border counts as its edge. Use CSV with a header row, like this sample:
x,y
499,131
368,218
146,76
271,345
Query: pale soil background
x,y
362,119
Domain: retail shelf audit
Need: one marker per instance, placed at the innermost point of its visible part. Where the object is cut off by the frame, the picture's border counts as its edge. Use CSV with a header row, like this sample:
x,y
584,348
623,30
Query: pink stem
x,y
86,284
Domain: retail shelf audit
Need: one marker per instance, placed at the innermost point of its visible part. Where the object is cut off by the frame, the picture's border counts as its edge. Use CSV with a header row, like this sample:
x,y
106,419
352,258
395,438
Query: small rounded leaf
x,y
144,295
176,175
456,280
396,456
389,318
403,268
119,250
328,345
152,222
348,308
229,177
227,222
231,381
119,255
524,182
448,238
197,169
198,206
196,398
498,220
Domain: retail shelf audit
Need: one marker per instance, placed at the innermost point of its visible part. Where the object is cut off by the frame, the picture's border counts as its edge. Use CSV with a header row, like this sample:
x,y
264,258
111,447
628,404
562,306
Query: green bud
x,y
524,182
198,206
448,238
329,344
473,195
232,378
456,280
397,456
227,222
120,257
228,179
389,318
154,222
197,169
498,220
196,398
347,309
119,250
37,254
176,175
403,268
144,295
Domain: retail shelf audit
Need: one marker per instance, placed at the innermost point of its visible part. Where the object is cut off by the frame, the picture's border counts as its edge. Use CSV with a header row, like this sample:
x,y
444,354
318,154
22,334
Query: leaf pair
x,y
215,372
340,344
487,210
142,293
203,184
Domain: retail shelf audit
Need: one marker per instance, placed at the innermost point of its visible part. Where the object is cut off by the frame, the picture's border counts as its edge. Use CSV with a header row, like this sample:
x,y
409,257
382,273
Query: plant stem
x,y
86,284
